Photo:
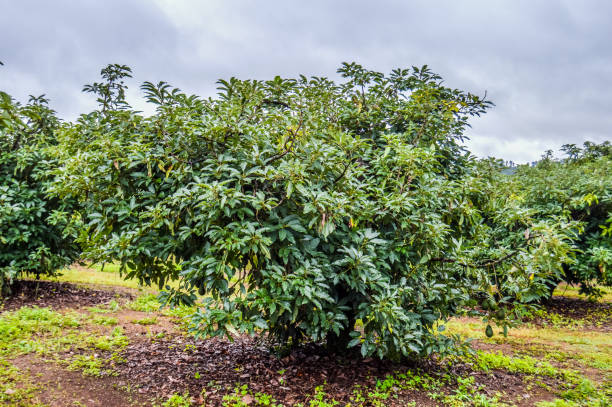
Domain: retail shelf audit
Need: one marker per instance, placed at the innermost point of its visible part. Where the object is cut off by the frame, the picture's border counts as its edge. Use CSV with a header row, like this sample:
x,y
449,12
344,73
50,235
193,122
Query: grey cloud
x,y
546,65
55,47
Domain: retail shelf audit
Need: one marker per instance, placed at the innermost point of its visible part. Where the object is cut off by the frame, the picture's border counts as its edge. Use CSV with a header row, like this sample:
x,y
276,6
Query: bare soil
x,y
59,387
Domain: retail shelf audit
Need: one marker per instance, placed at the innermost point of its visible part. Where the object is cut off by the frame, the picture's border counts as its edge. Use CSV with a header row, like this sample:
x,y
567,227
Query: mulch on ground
x,y
56,295
595,315
211,368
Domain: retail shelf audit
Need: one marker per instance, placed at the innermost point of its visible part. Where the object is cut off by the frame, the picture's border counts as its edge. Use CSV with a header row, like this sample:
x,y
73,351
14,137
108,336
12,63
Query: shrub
x,y
299,206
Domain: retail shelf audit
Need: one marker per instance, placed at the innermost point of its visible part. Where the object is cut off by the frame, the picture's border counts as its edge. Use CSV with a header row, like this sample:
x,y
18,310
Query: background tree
x,y
578,189
37,230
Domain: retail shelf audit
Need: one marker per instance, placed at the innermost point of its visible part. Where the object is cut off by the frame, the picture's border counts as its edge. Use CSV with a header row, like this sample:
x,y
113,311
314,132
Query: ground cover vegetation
x,y
62,348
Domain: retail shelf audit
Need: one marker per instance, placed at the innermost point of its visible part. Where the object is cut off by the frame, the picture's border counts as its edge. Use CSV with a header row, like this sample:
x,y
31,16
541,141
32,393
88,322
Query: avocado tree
x,y
579,189
37,230
300,207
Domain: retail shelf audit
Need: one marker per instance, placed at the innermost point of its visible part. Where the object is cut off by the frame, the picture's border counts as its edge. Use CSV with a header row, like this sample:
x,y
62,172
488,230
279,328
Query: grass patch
x,y
177,400
526,365
89,365
94,274
566,290
112,306
392,389
149,303
580,391
146,321
243,397
106,267
145,303
98,310
16,389
583,394
180,315
113,342
561,349
43,331
105,321
36,330
81,275
589,348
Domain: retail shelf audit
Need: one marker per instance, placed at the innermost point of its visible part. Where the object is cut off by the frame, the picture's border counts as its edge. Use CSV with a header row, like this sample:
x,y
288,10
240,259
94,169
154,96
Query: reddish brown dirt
x,y
513,386
61,388
56,295
127,319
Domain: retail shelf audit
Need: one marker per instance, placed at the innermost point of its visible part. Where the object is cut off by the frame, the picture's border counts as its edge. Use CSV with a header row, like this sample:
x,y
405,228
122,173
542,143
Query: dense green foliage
x,y
300,207
509,223
578,188
36,231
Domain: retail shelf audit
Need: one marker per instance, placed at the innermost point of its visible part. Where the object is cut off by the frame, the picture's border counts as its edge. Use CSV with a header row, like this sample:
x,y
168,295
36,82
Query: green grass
x,y
486,361
146,321
591,348
106,321
149,303
96,275
177,400
583,394
579,391
566,290
116,340
106,267
448,390
51,333
16,389
145,303
89,365
38,330
57,336
557,350
562,353
44,331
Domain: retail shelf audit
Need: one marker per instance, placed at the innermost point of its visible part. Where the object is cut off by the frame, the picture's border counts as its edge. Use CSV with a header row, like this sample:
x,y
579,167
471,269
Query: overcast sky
x,y
547,65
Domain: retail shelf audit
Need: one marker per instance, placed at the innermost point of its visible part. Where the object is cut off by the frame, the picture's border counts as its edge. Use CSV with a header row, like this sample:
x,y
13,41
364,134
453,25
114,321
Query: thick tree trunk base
x,y
338,344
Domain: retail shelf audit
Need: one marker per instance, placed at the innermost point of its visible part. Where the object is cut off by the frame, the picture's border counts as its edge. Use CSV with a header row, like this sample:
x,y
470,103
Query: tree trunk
x,y
339,343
